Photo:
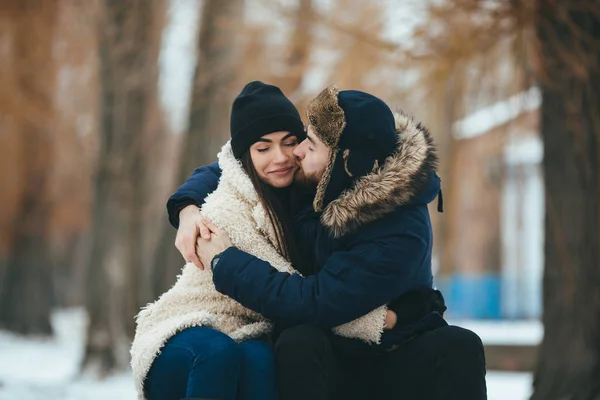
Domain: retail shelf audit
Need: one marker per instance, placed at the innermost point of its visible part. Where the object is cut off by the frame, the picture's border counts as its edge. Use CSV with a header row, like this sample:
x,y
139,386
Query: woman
x,y
196,343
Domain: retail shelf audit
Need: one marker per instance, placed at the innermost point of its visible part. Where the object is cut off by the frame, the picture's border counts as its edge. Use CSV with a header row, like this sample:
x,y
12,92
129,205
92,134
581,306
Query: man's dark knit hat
x,y
258,110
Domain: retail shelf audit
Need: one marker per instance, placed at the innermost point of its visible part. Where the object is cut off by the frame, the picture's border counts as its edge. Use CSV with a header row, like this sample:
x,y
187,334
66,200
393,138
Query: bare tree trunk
x,y
446,248
299,50
26,292
212,95
569,361
127,74
358,58
143,235
76,126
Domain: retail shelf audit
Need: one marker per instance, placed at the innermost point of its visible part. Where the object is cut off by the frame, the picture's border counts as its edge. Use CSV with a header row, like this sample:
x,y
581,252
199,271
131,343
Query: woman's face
x,y
273,158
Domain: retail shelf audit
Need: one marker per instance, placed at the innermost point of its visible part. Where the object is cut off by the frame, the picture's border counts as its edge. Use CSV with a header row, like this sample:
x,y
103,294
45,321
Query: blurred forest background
x,y
107,106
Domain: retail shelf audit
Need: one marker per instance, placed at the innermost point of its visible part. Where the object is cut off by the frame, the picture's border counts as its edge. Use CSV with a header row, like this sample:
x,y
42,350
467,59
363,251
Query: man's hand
x,y
218,243
390,320
191,227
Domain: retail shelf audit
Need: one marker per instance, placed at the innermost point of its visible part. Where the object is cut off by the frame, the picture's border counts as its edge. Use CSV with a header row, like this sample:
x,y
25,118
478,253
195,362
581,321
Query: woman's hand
x,y
191,228
219,242
390,320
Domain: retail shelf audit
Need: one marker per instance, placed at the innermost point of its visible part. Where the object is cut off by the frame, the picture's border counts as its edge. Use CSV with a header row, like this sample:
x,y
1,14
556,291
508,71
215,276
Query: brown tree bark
x,y
298,58
569,361
27,106
212,94
76,126
446,227
127,42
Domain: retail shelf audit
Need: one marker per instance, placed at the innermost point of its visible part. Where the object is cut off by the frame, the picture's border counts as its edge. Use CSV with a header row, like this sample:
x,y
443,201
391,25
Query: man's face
x,y
313,156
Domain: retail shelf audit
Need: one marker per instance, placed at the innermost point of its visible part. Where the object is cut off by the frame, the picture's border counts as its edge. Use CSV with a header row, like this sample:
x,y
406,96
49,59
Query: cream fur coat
x,y
194,301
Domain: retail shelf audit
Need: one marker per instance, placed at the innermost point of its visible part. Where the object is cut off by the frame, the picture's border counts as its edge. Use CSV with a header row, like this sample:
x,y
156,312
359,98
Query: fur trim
x,y
194,301
391,185
328,120
232,172
356,328
324,182
327,117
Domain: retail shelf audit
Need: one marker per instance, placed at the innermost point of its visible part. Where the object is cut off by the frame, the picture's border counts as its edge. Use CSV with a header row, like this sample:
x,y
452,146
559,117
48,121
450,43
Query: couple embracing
x,y
309,264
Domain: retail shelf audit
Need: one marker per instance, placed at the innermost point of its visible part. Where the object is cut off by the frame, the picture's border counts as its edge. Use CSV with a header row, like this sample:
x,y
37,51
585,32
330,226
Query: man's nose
x,y
299,152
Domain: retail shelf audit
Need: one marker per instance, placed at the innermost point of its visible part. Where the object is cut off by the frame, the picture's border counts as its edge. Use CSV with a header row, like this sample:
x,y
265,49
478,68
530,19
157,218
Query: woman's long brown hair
x,y
276,203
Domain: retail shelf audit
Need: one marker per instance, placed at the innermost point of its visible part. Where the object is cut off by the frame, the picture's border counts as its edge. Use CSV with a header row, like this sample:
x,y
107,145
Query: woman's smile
x,y
283,171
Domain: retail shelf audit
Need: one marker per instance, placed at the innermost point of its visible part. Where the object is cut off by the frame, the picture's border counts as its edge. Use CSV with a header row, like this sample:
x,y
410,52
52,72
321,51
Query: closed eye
x,y
262,150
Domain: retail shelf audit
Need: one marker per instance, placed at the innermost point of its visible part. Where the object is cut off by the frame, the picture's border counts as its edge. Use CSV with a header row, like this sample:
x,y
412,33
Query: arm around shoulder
x,y
201,183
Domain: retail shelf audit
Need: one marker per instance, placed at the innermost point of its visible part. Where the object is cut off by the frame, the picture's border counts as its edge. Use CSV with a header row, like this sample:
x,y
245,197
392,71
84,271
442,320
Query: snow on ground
x,y
508,385
114,388
42,368
525,333
36,368
44,360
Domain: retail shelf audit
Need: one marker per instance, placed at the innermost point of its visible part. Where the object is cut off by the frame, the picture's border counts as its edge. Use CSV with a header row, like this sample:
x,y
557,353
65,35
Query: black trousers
x,y
445,364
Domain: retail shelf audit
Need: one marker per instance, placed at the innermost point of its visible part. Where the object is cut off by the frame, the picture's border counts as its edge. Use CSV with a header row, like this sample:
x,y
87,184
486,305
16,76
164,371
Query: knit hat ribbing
x,y
258,110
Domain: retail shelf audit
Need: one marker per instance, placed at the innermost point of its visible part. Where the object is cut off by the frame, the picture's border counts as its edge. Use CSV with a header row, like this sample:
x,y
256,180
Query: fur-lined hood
x,y
397,182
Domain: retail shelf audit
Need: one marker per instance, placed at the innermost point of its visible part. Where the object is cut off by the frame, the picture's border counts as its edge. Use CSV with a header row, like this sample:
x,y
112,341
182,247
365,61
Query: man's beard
x,y
307,181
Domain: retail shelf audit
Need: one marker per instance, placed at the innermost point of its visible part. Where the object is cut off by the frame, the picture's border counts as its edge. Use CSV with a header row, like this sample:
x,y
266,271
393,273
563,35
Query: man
x,y
374,177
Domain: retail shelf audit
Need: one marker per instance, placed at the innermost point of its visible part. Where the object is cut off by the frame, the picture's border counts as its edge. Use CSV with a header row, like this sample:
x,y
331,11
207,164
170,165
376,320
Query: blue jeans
x,y
203,362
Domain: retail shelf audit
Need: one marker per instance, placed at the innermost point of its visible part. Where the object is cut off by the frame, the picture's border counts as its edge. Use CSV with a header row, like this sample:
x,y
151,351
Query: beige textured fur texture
x,y
327,119
389,186
323,182
194,301
326,116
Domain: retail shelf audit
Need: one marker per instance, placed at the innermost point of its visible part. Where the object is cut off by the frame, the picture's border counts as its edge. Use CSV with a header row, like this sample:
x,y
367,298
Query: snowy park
x,y
461,137
48,369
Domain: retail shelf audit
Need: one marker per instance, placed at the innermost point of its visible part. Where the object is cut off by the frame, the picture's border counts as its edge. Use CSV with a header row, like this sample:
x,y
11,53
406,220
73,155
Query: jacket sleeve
x,y
201,183
351,283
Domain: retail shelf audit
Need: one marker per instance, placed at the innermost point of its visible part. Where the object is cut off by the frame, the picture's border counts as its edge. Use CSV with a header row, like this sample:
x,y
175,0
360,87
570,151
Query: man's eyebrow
x,y
288,136
265,140
311,140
